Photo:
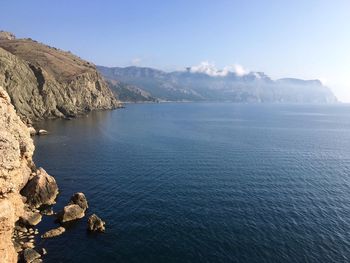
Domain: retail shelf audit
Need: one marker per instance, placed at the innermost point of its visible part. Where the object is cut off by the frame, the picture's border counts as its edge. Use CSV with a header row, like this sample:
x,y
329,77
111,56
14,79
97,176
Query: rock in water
x,y
95,224
30,218
80,200
54,232
71,212
29,255
42,189
42,132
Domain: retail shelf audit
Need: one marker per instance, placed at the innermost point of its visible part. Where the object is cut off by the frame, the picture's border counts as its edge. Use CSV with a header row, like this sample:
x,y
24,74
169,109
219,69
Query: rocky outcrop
x,y
71,212
75,209
41,190
7,35
95,224
30,218
80,200
16,151
45,82
30,255
54,232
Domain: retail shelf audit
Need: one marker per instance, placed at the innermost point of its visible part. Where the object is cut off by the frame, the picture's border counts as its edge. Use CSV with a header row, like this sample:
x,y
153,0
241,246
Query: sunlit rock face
x,y
16,151
45,82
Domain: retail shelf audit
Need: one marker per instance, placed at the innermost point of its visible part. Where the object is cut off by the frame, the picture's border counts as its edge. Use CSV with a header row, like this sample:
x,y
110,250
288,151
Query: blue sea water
x,y
203,182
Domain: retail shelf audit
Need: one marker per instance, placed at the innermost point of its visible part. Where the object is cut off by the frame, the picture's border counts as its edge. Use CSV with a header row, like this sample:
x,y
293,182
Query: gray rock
x,y
42,132
71,212
29,255
54,232
95,224
42,189
79,199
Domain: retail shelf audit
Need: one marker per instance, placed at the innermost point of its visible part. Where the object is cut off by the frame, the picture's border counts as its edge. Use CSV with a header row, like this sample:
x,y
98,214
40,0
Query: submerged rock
x,y
42,189
79,199
29,255
71,212
95,224
54,232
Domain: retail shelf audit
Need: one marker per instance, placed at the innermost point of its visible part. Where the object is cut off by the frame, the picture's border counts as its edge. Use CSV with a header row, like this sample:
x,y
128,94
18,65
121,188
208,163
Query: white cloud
x,y
239,70
211,70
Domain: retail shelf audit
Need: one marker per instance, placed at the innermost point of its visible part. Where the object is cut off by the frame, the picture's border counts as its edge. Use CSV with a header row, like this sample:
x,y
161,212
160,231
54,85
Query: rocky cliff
x,y
16,150
45,82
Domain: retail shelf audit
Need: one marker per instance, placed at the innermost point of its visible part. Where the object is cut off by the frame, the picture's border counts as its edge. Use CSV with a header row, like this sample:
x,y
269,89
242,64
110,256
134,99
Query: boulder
x,y
95,224
80,200
42,132
32,131
54,232
42,189
29,255
71,212
30,218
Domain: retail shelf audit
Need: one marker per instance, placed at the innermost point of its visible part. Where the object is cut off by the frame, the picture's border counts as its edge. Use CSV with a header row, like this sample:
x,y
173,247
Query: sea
x,y
202,182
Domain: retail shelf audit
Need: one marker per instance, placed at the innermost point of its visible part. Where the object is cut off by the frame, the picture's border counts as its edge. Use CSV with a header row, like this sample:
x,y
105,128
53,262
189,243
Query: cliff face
x,y
44,82
16,150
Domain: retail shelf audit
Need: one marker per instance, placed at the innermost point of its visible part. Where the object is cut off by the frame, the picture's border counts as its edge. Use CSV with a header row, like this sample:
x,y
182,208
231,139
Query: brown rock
x,y
41,189
30,218
28,245
54,232
32,131
79,199
7,35
95,224
71,212
29,255
16,151
53,84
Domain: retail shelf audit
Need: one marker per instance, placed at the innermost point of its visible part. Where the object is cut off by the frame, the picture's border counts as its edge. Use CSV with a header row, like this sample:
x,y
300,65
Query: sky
x,y
307,39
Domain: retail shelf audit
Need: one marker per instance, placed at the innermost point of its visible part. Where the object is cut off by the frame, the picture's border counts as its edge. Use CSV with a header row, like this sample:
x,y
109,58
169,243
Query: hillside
x,y
45,82
129,93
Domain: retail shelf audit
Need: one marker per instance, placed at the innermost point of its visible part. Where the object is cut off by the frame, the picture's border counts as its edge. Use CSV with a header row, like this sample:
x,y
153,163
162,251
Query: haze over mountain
x,y
206,83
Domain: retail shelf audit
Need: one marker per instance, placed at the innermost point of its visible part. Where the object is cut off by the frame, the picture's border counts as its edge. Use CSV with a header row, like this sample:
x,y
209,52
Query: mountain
x,y
45,82
129,93
191,85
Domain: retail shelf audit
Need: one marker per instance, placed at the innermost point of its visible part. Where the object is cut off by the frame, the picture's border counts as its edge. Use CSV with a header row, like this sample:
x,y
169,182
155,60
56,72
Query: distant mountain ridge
x,y
189,85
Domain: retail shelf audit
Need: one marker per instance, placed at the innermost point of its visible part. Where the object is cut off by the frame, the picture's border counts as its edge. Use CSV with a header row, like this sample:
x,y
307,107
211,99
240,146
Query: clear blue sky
x,y
294,38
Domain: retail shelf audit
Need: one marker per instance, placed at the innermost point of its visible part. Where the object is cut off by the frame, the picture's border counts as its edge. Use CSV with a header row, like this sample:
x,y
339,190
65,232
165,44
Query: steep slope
x,y
16,151
197,86
45,82
129,93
